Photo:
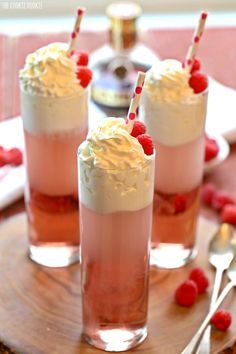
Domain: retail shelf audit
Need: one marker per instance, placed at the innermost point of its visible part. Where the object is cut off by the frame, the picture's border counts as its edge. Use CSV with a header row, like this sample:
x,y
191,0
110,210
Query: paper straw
x,y
76,30
195,42
134,103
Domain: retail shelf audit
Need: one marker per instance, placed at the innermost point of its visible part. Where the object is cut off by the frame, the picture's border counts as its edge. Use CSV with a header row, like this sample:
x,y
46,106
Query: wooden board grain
x,y
40,310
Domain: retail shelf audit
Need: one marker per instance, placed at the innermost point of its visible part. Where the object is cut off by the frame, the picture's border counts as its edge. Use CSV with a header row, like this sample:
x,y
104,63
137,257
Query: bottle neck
x,y
122,34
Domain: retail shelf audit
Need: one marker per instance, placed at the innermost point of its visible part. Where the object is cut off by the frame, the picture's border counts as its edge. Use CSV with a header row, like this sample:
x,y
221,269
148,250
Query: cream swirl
x,y
114,173
110,146
50,72
167,81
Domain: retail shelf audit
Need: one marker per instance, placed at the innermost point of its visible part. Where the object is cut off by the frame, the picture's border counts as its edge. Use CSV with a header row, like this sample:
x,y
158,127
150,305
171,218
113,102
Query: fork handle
x,y
204,345
190,348
216,287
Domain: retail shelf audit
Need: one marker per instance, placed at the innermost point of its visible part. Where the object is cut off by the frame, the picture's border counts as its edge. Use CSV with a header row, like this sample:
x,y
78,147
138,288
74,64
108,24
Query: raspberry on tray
x,y
221,320
199,277
186,293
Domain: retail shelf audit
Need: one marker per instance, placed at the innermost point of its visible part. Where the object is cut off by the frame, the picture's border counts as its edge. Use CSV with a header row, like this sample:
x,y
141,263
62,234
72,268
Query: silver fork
x,y
221,254
231,273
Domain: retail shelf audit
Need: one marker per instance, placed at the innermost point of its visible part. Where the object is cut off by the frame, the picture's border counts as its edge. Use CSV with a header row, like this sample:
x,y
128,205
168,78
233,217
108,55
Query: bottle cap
x,y
123,16
123,10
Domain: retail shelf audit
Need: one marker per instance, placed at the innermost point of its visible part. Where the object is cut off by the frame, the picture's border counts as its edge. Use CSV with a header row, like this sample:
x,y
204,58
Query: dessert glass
x,y
54,126
177,128
115,216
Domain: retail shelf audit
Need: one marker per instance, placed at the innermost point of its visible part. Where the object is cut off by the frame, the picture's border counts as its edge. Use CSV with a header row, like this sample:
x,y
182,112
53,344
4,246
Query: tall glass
x,y
53,129
177,129
115,255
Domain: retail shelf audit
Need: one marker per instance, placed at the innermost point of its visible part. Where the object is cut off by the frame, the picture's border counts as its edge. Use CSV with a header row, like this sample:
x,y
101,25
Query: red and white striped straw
x,y
195,41
76,30
134,103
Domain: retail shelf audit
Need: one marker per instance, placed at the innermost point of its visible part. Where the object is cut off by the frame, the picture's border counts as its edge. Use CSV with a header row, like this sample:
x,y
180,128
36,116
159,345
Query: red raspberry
x,y
138,128
84,75
3,157
180,202
221,199
221,320
146,141
207,193
14,157
186,293
198,276
198,82
211,149
228,214
196,65
80,57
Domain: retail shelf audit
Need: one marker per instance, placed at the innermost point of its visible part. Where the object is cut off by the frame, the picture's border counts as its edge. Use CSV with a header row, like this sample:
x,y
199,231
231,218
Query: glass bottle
x,y
115,64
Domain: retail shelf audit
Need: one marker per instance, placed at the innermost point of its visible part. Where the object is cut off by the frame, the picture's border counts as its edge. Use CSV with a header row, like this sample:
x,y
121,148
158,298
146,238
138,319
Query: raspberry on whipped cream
x,y
113,163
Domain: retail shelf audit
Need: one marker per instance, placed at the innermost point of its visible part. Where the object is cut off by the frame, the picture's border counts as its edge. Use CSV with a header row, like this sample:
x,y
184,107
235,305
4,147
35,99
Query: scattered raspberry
x,y
84,75
10,157
228,214
138,128
221,320
198,82
146,141
186,293
14,156
211,149
3,157
80,57
198,276
221,199
207,193
180,202
196,65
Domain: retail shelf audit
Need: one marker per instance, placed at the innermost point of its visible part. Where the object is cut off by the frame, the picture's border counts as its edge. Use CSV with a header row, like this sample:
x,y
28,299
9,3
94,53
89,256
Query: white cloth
x,y
221,111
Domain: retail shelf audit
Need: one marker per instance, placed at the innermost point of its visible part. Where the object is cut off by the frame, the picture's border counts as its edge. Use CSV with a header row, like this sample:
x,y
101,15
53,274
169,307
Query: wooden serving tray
x,y
40,308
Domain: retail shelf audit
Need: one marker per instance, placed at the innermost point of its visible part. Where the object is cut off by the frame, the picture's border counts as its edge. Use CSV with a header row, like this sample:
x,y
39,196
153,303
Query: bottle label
x,y
112,98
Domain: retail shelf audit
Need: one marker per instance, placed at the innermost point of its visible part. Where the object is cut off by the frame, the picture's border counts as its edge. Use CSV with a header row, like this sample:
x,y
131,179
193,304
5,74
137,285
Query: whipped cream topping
x,y
110,146
50,72
167,81
173,113
114,173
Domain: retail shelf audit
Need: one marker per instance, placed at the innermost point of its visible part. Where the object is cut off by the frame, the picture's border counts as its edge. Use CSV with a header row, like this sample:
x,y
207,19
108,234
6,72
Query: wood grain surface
x,y
40,308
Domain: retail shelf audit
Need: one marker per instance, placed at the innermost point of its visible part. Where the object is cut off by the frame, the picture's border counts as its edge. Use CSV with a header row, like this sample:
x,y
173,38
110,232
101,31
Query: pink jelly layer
x,y
170,226
52,220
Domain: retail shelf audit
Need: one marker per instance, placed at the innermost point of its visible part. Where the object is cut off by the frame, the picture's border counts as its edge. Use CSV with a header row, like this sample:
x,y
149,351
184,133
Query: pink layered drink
x,y
55,118
116,181
175,117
